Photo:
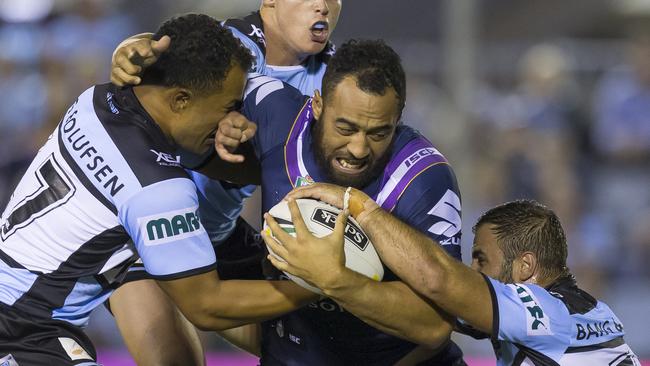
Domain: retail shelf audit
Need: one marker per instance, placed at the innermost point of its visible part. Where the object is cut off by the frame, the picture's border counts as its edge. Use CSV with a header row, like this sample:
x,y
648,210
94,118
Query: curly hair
x,y
528,226
200,55
373,63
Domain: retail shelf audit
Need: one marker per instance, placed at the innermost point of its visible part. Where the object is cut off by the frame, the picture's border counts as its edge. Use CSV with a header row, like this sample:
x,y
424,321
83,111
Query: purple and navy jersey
x,y
305,77
104,187
418,186
560,325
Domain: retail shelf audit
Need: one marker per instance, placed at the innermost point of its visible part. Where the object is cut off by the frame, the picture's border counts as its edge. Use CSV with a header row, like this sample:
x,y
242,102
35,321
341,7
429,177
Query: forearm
x,y
411,255
219,305
428,269
391,307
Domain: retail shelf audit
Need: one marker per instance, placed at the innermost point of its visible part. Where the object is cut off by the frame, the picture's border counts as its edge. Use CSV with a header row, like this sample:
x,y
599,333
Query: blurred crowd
x,y
576,140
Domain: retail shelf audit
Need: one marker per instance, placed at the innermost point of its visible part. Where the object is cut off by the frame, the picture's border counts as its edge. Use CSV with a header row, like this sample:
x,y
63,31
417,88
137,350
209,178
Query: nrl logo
x,y
304,181
166,159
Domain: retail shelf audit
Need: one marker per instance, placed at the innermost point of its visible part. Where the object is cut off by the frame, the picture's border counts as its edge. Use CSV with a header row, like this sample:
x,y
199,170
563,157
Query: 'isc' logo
x,y
170,226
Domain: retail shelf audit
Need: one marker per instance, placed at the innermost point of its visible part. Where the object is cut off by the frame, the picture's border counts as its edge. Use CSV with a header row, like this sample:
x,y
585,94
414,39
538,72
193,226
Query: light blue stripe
x,y
14,282
86,295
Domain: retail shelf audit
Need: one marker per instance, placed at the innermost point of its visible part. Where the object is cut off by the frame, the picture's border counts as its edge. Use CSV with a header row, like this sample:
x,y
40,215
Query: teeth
x,y
318,27
347,164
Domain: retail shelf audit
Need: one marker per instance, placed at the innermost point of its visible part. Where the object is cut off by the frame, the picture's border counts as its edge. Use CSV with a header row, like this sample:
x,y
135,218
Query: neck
x,y
153,101
278,52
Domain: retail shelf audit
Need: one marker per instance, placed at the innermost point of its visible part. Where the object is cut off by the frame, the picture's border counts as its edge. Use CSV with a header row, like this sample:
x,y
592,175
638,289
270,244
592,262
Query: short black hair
x,y
200,55
373,63
528,226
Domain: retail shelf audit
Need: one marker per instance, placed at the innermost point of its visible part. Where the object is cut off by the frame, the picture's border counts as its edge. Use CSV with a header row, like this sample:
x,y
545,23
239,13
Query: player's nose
x,y
321,7
358,146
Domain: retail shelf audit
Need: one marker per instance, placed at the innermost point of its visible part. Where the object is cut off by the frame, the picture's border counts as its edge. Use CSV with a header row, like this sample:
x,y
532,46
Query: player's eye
x,y
378,136
345,131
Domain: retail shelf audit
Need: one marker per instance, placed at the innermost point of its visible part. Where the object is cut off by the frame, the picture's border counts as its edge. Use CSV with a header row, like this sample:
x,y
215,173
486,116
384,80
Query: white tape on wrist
x,y
346,198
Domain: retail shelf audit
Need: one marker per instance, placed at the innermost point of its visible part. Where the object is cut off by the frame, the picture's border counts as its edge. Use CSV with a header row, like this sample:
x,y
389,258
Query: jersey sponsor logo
x,y
416,156
352,231
80,145
170,226
165,159
586,330
258,33
448,210
111,105
73,349
304,181
537,323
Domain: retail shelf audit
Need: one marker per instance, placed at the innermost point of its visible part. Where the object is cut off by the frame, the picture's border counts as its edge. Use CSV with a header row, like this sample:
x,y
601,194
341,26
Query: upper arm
x,y
163,222
431,203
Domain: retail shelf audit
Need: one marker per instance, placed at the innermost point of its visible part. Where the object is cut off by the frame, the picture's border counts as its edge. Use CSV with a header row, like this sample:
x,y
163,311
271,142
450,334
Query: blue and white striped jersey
x,y
106,175
561,325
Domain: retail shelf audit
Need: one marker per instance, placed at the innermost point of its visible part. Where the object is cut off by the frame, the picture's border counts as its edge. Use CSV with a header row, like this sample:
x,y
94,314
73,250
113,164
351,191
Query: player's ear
x,y
527,264
180,100
268,4
317,104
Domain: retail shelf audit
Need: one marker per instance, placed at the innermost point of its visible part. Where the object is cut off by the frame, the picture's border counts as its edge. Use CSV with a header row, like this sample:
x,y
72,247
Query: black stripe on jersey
x,y
495,310
139,139
10,261
576,300
191,272
538,358
628,361
82,176
618,341
50,290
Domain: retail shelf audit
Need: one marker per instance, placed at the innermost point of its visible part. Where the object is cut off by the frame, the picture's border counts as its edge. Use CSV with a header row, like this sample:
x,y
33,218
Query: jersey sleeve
x,y
259,61
164,223
529,316
431,203
274,106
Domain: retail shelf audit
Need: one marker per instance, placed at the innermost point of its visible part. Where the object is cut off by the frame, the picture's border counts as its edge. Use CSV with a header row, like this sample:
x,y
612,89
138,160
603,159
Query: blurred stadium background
x,y
547,99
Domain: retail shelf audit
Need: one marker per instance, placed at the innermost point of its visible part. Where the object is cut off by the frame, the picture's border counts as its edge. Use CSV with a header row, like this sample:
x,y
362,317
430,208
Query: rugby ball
x,y
320,218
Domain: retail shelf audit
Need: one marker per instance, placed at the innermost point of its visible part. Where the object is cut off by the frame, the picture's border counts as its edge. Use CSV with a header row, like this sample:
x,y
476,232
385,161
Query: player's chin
x,y
313,48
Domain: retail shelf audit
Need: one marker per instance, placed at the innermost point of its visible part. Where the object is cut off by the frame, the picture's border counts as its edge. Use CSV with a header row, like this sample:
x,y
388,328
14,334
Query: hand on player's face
x,y
234,129
318,261
132,57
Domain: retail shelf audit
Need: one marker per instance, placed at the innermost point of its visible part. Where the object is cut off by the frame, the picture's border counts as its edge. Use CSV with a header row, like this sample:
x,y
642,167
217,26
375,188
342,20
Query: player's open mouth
x,y
320,32
350,166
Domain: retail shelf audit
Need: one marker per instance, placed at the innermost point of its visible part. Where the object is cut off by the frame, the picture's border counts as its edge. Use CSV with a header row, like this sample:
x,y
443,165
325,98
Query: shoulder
x,y
415,166
249,30
114,145
265,94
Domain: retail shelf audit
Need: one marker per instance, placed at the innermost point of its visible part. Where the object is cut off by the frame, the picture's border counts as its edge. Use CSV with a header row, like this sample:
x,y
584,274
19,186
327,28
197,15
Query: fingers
x,y
227,156
278,249
341,223
296,218
277,231
160,45
249,132
121,78
328,193
123,62
282,266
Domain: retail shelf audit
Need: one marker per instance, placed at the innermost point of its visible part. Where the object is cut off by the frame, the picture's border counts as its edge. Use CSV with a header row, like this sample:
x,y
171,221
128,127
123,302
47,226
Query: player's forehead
x,y
352,103
485,241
